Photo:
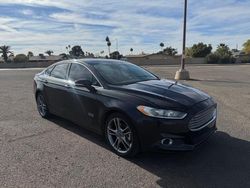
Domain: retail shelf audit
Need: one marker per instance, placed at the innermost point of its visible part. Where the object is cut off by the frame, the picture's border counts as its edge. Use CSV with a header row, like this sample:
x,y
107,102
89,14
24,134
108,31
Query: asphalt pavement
x,y
36,152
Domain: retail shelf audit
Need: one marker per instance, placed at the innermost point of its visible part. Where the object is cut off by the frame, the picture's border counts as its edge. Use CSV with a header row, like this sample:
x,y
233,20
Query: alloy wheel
x,y
41,106
119,135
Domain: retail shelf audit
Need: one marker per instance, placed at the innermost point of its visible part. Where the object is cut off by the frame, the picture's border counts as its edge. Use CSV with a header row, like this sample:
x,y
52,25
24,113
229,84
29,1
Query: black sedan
x,y
133,108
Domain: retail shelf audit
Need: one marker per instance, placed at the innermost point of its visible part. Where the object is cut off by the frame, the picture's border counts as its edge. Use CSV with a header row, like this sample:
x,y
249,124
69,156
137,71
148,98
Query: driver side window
x,y
79,72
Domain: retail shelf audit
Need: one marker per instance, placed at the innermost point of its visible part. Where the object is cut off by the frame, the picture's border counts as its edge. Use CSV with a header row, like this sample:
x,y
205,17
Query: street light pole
x,y
116,44
183,74
184,36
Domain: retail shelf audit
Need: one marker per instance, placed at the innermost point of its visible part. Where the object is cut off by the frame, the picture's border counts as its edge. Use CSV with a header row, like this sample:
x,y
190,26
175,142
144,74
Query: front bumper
x,y
185,142
175,134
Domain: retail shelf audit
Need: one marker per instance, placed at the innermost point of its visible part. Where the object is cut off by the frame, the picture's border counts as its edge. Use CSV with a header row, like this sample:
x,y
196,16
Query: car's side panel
x,y
112,101
56,94
82,107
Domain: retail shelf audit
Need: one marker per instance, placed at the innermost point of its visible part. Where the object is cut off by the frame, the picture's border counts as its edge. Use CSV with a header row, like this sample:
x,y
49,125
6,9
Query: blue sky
x,y
40,25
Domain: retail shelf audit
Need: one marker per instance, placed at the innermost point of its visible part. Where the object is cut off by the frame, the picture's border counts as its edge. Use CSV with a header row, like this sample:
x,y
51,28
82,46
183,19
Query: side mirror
x,y
85,83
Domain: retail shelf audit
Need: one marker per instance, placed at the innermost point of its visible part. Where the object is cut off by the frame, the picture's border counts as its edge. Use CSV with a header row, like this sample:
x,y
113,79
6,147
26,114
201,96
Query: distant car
x,y
133,108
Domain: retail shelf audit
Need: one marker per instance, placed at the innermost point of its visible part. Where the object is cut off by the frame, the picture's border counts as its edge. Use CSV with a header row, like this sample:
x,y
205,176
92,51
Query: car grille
x,y
202,119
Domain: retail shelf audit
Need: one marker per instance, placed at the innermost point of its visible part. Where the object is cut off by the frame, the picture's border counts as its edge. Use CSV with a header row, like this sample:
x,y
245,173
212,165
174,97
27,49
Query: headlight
x,y
160,113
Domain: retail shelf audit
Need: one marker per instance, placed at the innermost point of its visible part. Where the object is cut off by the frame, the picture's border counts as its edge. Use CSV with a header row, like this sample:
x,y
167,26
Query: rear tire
x,y
121,136
42,106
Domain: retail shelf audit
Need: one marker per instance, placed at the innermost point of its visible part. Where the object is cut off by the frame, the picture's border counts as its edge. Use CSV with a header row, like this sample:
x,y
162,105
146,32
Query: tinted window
x,y
59,71
48,70
123,73
79,72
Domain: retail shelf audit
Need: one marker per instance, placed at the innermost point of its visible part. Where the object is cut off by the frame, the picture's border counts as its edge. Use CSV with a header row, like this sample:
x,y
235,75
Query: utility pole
x,y
183,74
116,40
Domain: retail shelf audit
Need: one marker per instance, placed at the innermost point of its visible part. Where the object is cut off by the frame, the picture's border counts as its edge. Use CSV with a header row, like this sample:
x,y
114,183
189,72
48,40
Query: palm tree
x,y
131,50
49,52
5,50
30,54
107,39
161,45
108,44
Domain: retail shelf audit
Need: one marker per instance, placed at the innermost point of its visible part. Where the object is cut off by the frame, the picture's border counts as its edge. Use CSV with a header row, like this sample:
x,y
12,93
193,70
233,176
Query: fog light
x,y
167,141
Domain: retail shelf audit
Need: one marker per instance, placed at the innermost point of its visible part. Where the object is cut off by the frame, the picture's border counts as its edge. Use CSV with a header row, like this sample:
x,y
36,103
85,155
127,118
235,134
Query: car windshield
x,y
122,73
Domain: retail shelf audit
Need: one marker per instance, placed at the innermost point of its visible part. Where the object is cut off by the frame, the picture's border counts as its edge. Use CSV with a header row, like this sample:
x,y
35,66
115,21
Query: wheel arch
x,y
108,113
37,92
113,111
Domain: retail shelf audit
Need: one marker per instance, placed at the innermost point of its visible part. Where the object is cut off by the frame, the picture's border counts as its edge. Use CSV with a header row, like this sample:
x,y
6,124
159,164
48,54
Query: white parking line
x,y
21,69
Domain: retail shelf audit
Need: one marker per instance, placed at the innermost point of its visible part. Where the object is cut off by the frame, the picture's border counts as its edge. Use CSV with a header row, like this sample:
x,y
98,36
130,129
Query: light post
x,y
182,73
116,40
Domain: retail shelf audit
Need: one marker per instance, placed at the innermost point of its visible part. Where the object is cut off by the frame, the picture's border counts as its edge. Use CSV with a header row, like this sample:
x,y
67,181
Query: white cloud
x,y
138,24
27,12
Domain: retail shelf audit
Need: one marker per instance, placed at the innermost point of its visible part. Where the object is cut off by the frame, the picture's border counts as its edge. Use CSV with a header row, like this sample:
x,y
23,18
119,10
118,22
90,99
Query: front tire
x,y
121,136
42,106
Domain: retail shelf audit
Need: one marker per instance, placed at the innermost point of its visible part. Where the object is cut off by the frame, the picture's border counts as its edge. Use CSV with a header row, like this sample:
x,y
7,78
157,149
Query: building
x,y
153,59
45,59
161,59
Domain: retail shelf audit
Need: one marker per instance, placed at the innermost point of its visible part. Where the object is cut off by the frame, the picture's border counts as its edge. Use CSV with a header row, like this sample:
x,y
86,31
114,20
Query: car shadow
x,y
223,161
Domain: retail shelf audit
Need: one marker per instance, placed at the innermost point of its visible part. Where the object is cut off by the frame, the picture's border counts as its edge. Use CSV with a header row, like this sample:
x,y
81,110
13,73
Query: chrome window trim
x,y
64,82
57,81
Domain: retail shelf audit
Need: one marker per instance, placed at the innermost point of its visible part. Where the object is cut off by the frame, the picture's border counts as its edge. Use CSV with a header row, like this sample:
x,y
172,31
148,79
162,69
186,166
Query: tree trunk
x,y
5,57
109,50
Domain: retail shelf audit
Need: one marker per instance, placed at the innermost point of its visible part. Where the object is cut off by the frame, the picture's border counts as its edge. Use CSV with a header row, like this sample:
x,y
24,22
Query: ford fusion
x,y
132,108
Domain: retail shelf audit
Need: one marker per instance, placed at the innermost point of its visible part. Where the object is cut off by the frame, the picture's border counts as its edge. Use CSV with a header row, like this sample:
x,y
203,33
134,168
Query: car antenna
x,y
175,83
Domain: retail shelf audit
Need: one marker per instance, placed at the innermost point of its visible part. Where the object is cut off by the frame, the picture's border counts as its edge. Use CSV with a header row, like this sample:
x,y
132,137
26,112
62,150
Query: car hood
x,y
166,92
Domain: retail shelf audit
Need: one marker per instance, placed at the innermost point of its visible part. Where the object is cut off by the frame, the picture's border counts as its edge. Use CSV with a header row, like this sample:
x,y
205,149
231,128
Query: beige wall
x,y
163,61
26,65
136,60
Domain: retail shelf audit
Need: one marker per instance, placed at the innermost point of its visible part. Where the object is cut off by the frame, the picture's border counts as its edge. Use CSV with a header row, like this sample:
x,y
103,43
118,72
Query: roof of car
x,y
97,61
90,61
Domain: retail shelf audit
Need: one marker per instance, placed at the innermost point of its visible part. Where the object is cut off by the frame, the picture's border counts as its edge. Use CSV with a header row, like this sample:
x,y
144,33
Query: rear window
x,y
59,71
48,70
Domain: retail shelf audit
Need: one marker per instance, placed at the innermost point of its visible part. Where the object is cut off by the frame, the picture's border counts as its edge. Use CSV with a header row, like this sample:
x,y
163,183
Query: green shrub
x,y
245,59
20,58
222,55
226,60
217,59
212,59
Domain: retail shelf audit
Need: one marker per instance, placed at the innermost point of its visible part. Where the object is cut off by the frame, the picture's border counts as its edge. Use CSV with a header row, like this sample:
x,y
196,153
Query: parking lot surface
x,y
36,152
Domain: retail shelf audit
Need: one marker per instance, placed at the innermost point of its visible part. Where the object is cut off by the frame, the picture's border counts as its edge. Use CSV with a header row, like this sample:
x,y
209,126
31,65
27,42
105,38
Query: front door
x,y
83,102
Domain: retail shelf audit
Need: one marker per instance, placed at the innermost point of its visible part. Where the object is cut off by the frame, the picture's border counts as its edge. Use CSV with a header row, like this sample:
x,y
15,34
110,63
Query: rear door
x,y
83,103
56,90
